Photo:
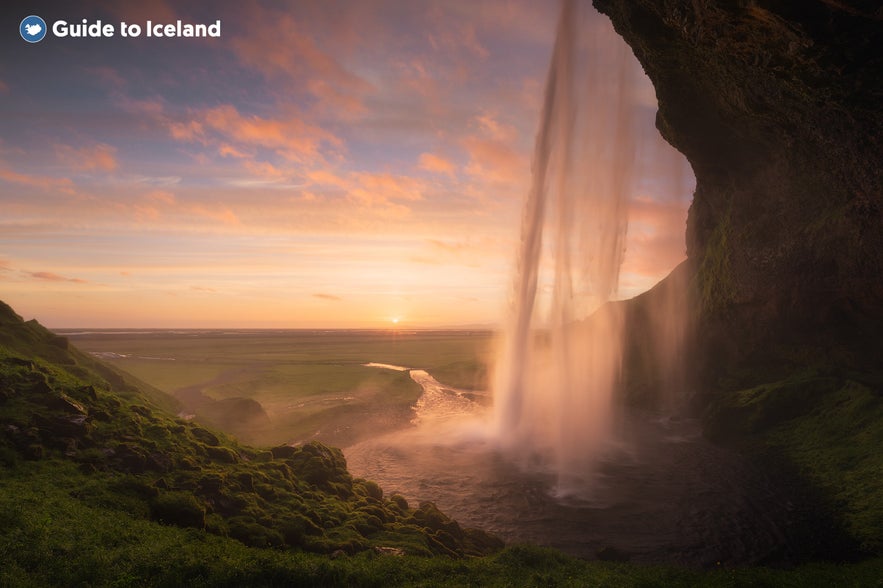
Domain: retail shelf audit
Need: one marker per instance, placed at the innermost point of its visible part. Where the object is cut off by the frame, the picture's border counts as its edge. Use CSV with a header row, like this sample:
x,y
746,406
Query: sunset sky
x,y
321,164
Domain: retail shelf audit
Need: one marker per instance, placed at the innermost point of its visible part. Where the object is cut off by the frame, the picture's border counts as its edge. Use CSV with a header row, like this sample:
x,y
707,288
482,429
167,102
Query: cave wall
x,y
778,106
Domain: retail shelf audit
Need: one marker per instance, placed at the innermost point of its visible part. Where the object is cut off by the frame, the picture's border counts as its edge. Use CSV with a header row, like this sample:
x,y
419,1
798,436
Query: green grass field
x,y
312,384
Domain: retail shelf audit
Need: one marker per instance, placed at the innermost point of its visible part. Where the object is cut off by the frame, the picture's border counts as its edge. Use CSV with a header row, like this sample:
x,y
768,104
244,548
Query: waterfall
x,y
561,354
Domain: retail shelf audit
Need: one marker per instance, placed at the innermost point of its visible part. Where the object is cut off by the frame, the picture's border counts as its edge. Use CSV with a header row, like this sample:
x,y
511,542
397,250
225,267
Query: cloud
x,y
4,87
52,277
435,164
494,161
492,157
220,213
233,133
99,157
324,296
64,185
282,46
379,191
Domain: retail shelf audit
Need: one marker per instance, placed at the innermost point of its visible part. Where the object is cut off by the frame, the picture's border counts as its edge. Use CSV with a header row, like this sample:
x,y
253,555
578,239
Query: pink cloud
x,y
494,161
280,45
100,157
291,136
435,164
64,185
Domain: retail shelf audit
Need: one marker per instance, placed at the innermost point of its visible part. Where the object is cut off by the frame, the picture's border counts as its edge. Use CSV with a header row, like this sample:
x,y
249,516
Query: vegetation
x,y
302,385
825,425
100,485
139,460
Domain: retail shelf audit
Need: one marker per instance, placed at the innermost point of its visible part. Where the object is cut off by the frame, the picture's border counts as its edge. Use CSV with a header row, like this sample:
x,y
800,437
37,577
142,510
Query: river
x,y
661,494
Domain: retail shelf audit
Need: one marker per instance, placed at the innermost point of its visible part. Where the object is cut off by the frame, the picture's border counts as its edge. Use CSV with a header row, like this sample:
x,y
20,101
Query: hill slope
x,y
60,406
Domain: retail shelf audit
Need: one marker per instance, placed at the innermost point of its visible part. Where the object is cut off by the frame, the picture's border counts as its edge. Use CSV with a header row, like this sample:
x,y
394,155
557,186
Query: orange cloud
x,y
291,137
494,161
226,150
323,296
186,131
492,157
221,214
100,157
435,164
494,130
43,182
51,277
161,196
264,170
372,190
279,45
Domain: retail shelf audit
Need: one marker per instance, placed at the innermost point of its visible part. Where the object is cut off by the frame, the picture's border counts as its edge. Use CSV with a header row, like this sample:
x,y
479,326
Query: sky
x,y
334,164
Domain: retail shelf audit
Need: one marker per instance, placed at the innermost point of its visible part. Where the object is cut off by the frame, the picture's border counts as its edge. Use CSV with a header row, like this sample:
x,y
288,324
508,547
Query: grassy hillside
x,y
101,486
59,407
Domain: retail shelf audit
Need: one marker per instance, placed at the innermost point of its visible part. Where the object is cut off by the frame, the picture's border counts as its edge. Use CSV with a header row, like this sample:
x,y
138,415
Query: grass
x,y
828,427
131,496
51,535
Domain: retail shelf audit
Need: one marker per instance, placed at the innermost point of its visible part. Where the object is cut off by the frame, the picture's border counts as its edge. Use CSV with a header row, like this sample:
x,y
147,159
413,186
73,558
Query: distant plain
x,y
312,384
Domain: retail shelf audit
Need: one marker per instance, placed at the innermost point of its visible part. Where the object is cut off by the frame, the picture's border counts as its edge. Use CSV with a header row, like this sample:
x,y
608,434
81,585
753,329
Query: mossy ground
x,y
825,425
52,533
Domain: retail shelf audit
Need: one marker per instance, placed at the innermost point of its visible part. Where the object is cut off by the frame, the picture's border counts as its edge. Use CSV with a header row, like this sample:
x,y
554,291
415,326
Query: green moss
x,y
829,429
715,281
178,508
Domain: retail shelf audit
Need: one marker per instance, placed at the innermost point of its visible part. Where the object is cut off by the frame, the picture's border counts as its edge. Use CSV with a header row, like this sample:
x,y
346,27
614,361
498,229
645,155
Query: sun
x,y
395,320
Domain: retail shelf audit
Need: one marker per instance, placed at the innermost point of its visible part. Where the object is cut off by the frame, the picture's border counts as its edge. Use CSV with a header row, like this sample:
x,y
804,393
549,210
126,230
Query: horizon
x,y
340,166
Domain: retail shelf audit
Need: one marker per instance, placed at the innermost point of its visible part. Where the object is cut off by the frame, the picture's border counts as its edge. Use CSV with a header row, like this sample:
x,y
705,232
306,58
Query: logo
x,y
32,29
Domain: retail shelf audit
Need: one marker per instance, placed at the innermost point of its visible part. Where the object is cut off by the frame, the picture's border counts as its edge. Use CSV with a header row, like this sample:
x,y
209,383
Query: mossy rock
x,y
283,451
181,509
254,534
321,466
296,528
205,436
400,502
222,454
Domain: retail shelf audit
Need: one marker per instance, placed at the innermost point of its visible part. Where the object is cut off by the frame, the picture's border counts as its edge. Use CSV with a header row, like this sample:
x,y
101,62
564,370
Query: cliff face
x,y
779,108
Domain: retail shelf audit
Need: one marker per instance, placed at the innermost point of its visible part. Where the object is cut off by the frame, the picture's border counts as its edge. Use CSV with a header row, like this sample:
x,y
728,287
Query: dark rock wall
x,y
779,108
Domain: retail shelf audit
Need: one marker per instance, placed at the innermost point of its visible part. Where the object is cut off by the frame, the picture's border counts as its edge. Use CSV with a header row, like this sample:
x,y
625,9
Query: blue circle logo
x,y
32,29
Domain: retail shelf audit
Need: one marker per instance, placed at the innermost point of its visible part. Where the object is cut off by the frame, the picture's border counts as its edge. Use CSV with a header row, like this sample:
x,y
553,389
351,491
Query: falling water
x,y
562,354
